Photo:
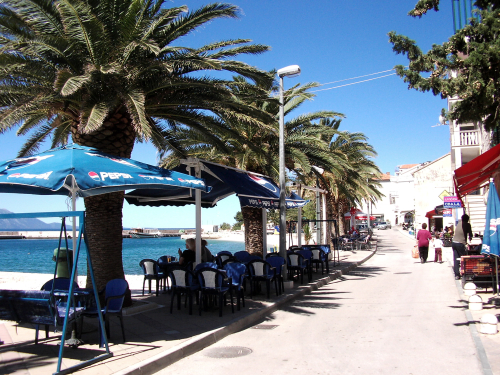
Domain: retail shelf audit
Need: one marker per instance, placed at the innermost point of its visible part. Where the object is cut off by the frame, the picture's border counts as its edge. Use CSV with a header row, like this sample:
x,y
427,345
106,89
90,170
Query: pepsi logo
x,y
264,183
94,176
24,162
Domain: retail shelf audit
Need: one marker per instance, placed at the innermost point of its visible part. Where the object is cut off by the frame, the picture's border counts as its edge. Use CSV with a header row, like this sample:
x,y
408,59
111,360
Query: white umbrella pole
x,y
73,229
198,218
264,232
299,220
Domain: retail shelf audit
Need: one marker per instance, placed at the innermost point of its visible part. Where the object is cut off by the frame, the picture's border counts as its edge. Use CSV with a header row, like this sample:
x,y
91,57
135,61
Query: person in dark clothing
x,y
189,254
459,242
423,238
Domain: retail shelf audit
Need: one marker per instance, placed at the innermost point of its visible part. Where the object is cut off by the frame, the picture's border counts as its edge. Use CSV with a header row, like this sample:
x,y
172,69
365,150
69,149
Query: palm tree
x,y
256,149
109,73
356,180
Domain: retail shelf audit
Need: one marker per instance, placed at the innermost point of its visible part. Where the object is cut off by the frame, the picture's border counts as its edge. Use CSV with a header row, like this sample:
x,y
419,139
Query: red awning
x,y
430,214
476,173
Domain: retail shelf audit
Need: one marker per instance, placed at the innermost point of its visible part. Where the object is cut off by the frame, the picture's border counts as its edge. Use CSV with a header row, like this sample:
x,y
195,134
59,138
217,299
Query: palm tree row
x,y
108,74
311,139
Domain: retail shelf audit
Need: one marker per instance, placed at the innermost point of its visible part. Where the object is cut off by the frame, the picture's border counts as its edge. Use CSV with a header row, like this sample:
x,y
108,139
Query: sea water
x,y
35,256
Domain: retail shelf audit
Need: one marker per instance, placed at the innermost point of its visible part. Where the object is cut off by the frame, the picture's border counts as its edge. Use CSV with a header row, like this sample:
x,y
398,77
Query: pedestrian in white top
x,y
438,249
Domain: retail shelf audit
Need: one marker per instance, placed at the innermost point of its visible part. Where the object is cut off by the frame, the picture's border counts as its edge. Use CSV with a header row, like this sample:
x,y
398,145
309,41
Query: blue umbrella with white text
x,y
491,237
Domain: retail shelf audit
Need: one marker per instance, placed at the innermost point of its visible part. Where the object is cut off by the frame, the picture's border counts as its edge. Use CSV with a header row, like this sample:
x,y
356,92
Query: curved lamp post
x,y
288,71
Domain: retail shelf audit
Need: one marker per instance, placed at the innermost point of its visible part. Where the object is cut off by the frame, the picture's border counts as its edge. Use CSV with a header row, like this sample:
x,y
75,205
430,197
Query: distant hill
x,y
26,224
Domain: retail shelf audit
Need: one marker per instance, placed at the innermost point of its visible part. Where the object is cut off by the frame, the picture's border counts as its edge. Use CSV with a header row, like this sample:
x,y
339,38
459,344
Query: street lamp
x,y
288,71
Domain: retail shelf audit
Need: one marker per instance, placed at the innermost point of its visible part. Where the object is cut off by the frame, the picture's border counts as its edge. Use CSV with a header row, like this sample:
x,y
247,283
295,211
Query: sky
x,y
331,41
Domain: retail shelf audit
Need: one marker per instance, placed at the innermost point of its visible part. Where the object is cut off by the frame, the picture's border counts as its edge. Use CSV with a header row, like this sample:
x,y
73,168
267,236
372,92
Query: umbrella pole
x,y
73,234
198,217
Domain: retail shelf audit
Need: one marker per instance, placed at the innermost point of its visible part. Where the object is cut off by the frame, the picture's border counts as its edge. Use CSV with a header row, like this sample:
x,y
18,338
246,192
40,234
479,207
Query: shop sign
x,y
451,202
447,213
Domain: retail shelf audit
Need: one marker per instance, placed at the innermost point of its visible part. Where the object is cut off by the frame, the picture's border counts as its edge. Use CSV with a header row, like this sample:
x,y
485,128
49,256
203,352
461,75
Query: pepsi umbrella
x,y
85,171
76,170
491,237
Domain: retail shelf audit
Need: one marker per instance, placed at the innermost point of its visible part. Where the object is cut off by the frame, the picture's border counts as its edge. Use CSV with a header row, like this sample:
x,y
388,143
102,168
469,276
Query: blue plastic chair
x,y
237,272
319,257
277,263
296,264
212,284
164,262
222,256
242,256
114,296
307,254
260,270
205,265
151,271
183,281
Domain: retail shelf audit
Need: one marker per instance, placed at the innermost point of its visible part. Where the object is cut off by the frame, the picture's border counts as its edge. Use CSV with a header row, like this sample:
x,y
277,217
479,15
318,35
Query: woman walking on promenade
x,y
423,237
459,242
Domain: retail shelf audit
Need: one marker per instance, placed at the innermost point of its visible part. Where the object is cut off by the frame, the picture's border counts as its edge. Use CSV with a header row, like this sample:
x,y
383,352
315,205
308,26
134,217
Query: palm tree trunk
x,y
104,212
252,218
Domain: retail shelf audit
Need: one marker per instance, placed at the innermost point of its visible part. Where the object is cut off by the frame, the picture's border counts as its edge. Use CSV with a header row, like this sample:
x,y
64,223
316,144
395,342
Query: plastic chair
x,y
61,283
277,263
260,270
114,296
222,256
242,256
183,281
307,254
319,257
365,243
150,269
164,262
205,265
212,284
296,264
237,272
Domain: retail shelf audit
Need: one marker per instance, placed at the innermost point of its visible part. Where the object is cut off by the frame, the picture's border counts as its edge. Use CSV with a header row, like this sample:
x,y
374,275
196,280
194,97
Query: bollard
x,y
470,289
489,324
475,303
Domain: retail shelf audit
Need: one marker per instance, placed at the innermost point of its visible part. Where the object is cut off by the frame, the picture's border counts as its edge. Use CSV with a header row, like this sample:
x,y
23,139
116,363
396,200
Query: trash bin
x,y
65,257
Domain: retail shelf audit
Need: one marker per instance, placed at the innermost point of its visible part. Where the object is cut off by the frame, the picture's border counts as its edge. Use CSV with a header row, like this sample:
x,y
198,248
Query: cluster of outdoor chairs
x,y
212,282
358,243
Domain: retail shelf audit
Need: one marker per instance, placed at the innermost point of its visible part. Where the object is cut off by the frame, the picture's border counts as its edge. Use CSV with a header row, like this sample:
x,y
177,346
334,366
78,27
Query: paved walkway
x,y
391,315
155,338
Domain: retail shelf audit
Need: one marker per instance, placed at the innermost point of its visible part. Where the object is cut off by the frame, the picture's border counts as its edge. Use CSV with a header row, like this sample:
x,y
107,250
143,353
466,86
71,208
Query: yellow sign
x,y
444,194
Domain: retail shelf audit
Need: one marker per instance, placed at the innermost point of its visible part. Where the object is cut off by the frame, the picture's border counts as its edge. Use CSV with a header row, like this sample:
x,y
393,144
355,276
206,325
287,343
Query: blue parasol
x,y
491,237
86,172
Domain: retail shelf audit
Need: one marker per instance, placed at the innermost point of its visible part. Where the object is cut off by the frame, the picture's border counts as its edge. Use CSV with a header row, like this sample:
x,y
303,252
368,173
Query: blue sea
x,y
35,256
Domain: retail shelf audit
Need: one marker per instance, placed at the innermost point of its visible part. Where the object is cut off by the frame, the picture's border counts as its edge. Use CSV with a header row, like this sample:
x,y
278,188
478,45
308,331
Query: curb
x,y
476,337
200,342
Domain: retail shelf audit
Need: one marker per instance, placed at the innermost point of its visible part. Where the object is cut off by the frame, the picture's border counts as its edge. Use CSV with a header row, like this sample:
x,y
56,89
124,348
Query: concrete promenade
x,y
155,338
378,312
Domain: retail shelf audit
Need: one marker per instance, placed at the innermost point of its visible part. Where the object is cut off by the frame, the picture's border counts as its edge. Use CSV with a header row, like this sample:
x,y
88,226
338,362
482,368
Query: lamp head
x,y
289,71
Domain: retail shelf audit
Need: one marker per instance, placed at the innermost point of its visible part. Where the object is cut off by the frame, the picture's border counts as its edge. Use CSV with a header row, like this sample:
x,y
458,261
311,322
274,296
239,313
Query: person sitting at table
x,y
206,255
188,255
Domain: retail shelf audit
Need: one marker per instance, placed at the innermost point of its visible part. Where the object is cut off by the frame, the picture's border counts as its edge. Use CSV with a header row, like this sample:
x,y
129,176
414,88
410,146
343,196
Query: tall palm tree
x,y
356,180
108,74
256,150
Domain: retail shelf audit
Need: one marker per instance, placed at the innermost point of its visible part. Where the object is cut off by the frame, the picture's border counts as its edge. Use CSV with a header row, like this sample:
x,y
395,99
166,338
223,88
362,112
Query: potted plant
x,y
307,233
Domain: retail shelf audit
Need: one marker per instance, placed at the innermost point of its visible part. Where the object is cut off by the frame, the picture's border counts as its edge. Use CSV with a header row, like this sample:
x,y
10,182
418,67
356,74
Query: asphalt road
x,y
392,315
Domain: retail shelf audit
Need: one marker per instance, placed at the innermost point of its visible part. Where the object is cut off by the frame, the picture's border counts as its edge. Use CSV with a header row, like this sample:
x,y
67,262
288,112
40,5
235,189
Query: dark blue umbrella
x,y
491,237
85,171
252,189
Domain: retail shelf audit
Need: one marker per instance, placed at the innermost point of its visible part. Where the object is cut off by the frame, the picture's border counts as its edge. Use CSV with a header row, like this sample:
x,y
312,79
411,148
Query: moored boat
x,y
144,233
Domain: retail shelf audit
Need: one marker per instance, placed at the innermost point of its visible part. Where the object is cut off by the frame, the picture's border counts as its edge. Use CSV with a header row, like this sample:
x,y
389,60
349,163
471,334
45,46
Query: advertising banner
x,y
452,202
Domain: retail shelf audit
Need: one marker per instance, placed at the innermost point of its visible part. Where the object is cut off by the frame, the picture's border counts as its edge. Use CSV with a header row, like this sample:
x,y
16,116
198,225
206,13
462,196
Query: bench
x,y
34,307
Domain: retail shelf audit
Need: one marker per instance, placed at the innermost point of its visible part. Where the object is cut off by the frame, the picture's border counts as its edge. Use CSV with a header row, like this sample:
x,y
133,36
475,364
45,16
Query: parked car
x,y
383,225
